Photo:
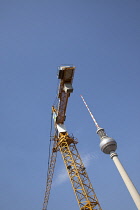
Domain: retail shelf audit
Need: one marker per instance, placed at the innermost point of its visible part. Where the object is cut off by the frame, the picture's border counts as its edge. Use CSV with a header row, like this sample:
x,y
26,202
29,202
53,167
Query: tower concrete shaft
x,y
129,184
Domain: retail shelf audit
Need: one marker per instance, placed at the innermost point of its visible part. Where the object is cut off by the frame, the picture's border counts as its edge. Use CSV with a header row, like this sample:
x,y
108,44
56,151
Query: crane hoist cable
x,y
50,142
66,144
54,103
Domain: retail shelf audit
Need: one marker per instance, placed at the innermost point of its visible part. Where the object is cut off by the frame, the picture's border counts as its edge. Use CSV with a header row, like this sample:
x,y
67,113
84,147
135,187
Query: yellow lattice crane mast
x,y
66,144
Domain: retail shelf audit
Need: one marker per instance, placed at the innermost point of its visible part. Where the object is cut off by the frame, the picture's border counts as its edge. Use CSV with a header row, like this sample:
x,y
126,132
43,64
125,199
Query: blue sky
x,y
102,39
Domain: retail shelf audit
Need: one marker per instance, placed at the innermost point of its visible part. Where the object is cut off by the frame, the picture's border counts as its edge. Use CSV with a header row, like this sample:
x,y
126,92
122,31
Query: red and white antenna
x,y
96,124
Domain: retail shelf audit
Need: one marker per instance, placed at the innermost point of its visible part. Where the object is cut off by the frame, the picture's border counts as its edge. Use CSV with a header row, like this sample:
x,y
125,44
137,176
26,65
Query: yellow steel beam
x,y
81,184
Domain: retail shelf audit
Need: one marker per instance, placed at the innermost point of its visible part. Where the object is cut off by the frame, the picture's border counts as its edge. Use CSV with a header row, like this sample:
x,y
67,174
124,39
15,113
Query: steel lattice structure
x,y
81,184
66,144
49,177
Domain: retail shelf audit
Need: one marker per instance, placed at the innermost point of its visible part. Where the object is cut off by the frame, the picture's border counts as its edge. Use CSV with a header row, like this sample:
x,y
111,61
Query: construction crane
x,y
66,144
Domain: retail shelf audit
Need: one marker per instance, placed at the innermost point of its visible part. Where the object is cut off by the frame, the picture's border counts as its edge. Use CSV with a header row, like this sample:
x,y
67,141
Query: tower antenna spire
x,y
93,118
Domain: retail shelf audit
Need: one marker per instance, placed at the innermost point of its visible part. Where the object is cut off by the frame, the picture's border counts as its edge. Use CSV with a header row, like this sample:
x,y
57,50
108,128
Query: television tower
x,y
108,145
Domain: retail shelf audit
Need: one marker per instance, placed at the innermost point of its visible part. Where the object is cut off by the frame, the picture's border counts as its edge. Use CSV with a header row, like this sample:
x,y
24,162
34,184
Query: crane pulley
x,y
66,144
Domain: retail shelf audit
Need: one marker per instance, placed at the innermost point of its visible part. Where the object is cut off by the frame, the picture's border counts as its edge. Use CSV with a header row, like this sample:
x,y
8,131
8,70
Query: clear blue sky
x,y
102,39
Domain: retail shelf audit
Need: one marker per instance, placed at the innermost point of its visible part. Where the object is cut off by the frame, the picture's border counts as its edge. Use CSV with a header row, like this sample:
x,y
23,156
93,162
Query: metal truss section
x,y
49,177
81,184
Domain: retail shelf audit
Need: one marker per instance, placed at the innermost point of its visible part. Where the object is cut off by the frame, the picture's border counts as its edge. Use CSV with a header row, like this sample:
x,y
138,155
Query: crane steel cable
x,y
50,141
51,164
54,104
51,161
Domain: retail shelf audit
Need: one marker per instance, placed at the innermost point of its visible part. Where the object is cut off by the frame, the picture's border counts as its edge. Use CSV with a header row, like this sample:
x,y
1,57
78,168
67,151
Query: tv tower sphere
x,y
107,144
